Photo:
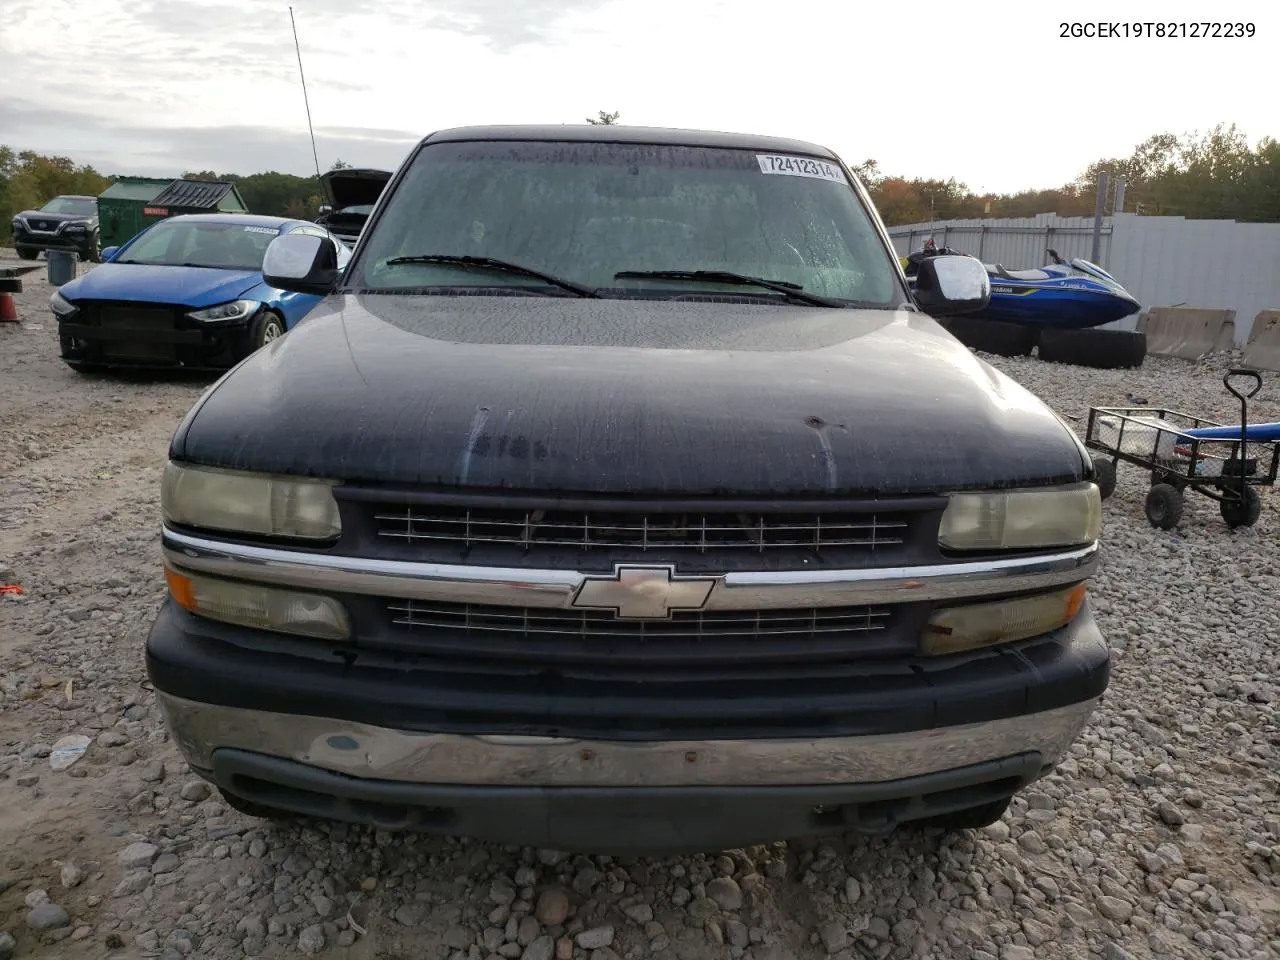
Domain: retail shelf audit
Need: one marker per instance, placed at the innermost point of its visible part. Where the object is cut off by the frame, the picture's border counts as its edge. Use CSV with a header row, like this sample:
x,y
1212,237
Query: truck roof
x,y
616,133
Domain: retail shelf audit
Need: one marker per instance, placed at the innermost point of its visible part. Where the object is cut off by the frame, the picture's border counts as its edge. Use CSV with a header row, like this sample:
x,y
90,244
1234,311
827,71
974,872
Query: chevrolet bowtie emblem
x,y
638,592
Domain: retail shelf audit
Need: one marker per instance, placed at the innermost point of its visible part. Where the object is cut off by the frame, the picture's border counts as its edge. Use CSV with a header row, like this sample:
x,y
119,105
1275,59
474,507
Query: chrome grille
x,y
701,532
593,624
719,643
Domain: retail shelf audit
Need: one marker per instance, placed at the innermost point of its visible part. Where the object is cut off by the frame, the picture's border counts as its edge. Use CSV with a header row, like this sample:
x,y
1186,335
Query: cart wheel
x,y
1243,512
1164,506
1104,474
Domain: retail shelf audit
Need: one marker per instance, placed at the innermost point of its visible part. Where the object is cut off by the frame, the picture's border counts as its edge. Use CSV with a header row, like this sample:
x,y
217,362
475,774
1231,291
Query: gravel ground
x,y
1159,837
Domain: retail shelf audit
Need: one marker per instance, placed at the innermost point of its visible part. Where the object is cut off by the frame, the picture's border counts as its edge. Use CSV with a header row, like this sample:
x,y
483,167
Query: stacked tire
x,y
1099,349
992,336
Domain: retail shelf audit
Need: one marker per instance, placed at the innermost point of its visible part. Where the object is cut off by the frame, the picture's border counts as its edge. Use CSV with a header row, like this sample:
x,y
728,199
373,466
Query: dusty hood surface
x,y
627,396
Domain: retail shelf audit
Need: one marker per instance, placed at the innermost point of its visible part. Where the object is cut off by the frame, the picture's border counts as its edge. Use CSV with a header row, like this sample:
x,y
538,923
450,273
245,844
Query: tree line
x,y
28,180
1216,175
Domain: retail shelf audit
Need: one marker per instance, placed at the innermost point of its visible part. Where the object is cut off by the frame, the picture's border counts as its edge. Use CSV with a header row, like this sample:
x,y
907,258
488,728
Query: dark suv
x,y
66,222
620,496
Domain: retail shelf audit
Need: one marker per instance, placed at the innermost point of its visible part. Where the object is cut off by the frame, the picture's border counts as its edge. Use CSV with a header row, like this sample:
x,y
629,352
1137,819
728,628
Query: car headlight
x,y
977,625
255,605
18,223
235,310
76,227
61,306
1022,519
252,503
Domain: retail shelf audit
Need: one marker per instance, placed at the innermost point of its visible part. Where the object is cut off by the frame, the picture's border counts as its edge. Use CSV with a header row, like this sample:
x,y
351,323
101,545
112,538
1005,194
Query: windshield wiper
x,y
499,266
784,287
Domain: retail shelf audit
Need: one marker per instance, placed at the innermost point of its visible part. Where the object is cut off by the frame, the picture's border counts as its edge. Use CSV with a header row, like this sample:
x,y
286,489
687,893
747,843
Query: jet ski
x,y
1066,294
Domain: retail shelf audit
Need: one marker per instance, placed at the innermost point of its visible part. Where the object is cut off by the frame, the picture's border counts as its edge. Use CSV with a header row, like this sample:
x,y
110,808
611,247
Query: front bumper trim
x,y
502,586
378,753
632,821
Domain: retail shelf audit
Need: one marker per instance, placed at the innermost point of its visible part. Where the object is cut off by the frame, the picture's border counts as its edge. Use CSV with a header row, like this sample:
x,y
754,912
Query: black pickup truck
x,y
621,497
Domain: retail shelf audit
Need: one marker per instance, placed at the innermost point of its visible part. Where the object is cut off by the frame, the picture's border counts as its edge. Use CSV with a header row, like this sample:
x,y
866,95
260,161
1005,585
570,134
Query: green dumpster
x,y
121,206
133,203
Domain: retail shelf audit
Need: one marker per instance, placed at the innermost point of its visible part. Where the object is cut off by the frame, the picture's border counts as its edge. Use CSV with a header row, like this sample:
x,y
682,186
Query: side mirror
x,y
108,253
300,263
325,208
949,284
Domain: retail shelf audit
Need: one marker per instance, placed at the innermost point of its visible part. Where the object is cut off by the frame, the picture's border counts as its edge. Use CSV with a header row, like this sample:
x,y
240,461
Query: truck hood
x,y
353,187
564,395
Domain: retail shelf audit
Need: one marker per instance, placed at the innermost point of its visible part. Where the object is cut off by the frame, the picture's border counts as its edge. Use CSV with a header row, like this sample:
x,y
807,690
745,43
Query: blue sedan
x,y
186,292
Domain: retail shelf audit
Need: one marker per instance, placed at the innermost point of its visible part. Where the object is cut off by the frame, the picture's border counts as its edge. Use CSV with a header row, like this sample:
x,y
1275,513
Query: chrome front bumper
x,y
376,753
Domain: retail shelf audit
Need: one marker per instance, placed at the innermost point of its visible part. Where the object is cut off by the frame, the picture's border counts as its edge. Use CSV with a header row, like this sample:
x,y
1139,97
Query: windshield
x,y
197,243
74,206
586,211
1087,266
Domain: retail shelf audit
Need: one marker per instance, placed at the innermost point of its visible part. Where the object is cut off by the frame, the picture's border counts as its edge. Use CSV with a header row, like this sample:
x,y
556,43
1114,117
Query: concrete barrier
x,y
1263,349
1191,333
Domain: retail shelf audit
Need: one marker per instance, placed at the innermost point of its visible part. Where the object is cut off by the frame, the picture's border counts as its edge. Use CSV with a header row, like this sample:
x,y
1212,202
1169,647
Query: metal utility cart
x,y
1226,470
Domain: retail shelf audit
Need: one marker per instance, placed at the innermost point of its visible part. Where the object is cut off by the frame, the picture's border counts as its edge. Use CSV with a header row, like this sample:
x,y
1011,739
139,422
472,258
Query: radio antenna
x,y
315,156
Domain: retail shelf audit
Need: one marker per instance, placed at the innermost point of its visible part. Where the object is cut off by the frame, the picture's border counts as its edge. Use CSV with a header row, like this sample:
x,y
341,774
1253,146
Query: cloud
x,y
125,148
380,73
501,24
369,133
505,25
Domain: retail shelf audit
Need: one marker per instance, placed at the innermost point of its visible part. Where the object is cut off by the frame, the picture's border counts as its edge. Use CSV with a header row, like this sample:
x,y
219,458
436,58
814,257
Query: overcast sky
x,y
983,91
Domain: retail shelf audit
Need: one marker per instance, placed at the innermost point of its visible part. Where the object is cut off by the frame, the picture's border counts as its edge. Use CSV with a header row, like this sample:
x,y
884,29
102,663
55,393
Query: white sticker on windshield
x,y
800,167
260,230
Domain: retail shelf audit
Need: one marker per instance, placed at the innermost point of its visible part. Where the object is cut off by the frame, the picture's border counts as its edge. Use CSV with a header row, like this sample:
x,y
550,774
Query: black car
x,y
620,496
66,222
352,193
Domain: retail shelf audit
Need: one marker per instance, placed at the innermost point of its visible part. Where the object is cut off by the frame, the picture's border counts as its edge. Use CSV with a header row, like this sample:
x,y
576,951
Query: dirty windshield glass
x,y
72,206
584,212
194,243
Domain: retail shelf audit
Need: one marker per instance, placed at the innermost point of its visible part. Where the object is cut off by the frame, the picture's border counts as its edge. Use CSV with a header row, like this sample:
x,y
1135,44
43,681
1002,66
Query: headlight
x,y
235,310
75,228
249,503
1022,519
61,306
254,605
971,627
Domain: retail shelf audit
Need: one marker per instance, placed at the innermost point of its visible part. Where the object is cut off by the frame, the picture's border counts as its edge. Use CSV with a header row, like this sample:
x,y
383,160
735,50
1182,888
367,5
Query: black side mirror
x,y
949,284
301,263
